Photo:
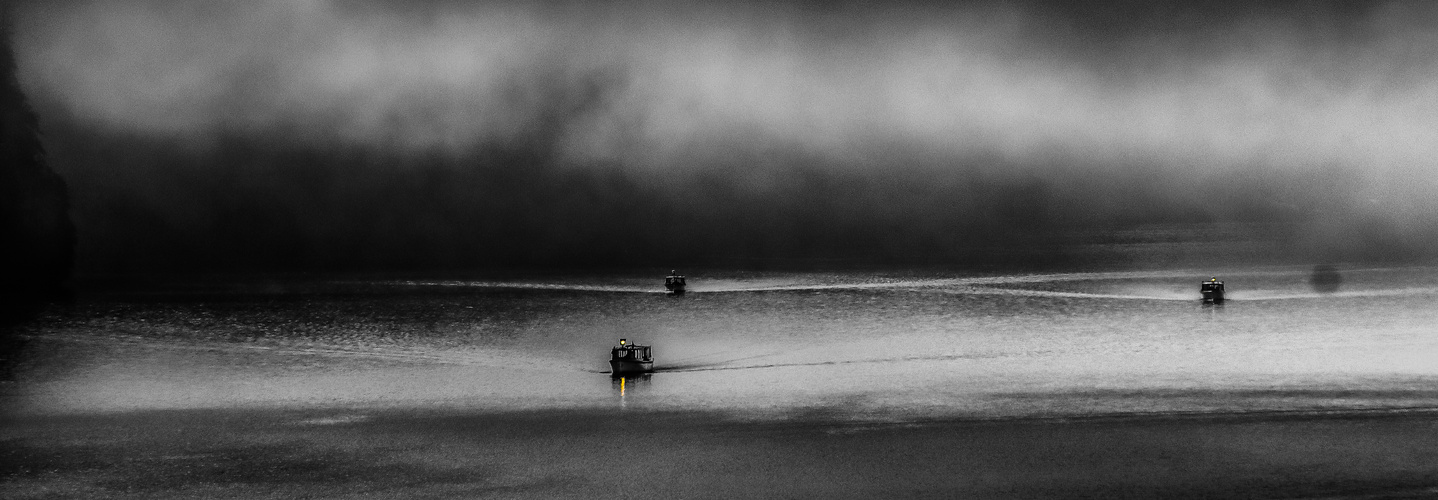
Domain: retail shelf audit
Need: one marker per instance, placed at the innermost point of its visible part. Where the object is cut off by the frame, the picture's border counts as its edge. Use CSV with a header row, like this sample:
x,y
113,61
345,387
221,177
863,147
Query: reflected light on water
x,y
627,384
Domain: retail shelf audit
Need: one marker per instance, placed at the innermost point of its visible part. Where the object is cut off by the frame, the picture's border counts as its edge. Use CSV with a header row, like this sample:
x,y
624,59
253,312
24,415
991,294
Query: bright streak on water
x,y
854,346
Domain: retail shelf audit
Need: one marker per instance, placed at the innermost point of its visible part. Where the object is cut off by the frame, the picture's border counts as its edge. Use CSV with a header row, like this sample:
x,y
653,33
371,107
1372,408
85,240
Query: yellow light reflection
x,y
621,386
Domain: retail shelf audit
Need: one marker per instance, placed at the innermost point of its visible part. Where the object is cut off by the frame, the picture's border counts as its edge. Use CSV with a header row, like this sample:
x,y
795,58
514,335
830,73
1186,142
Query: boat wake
x,y
797,284
1175,296
1287,295
681,368
526,286
981,285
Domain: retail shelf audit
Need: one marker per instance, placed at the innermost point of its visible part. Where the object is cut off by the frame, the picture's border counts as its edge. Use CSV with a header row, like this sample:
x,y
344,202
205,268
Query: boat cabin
x,y
1212,290
630,358
674,283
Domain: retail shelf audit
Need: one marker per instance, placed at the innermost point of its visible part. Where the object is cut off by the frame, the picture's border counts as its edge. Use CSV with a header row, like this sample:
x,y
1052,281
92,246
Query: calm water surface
x,y
772,346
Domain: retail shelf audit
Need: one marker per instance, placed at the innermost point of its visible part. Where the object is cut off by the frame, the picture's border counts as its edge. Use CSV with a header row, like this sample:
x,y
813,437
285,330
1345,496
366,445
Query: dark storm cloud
x,y
850,121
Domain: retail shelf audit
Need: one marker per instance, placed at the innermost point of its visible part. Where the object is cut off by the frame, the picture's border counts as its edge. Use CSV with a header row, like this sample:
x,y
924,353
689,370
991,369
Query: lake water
x,y
849,346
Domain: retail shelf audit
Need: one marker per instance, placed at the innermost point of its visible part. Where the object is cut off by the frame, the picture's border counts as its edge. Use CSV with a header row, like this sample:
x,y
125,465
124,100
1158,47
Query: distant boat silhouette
x,y
1212,291
674,283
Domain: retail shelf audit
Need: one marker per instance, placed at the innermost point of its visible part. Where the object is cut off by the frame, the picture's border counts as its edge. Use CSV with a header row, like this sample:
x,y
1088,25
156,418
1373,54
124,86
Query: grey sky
x,y
950,81
1180,92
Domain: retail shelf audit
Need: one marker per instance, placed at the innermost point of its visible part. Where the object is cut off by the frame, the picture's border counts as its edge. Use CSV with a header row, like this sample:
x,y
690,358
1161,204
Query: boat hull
x,y
625,366
1213,296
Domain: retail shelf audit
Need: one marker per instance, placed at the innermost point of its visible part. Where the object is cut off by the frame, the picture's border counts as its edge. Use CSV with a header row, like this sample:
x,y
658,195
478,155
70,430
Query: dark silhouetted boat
x,y
1212,291
674,283
630,358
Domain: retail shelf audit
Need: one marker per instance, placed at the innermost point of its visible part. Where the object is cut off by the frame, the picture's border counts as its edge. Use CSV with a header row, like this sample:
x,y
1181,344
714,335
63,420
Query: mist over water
x,y
216,136
1291,85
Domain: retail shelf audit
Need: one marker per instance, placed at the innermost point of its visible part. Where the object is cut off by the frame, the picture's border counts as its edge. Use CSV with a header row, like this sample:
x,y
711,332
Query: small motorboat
x,y
1212,291
630,358
674,283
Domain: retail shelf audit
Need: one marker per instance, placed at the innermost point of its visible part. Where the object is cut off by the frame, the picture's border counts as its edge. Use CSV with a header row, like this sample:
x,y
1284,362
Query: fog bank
x,y
457,133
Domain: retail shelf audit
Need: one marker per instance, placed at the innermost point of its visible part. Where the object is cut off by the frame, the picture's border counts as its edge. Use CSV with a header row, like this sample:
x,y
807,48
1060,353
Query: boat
x,y
630,358
674,283
1212,291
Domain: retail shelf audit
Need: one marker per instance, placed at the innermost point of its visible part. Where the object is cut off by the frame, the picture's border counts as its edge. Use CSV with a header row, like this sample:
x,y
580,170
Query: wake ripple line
x,y
1391,292
1046,293
910,283
525,286
947,357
